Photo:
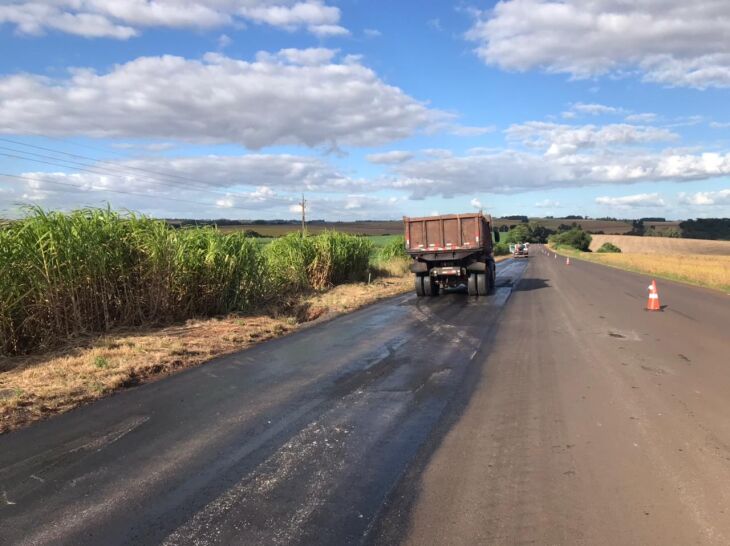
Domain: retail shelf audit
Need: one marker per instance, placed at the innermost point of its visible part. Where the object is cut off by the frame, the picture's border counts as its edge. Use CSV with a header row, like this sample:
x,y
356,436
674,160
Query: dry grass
x,y
702,270
693,261
35,387
662,245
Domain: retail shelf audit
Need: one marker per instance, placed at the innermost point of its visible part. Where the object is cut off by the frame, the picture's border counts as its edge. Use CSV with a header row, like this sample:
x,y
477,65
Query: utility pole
x,y
303,204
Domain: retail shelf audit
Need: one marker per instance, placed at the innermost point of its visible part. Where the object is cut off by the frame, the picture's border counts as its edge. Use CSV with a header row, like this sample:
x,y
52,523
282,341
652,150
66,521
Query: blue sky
x,y
234,108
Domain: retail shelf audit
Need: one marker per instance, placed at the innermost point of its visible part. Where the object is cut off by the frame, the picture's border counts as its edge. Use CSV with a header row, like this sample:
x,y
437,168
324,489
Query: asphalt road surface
x,y
555,412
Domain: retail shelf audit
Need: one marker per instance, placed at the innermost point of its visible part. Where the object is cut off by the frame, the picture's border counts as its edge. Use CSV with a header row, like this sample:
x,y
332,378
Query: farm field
x,y
694,261
395,227
662,245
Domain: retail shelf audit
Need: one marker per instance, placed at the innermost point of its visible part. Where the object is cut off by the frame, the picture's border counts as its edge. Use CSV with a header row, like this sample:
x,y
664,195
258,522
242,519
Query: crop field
x,y
694,261
356,228
702,270
662,245
91,271
395,227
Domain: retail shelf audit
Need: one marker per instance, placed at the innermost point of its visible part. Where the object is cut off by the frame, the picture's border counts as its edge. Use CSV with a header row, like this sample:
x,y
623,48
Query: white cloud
x,y
547,204
706,198
231,195
559,139
361,202
372,33
513,171
593,109
293,97
469,131
645,117
672,42
720,124
437,152
390,158
122,19
632,201
476,203
328,30
224,41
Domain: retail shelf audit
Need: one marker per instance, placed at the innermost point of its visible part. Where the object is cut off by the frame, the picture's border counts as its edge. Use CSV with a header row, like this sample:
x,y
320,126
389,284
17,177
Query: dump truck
x,y
451,250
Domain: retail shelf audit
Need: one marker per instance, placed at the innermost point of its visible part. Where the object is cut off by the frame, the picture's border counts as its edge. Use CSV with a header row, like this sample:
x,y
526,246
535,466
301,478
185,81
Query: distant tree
x,y
520,217
573,238
520,234
539,233
637,228
706,228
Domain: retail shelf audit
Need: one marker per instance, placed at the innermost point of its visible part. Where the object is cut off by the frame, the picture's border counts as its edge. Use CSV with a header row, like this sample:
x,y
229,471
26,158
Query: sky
x,y
370,109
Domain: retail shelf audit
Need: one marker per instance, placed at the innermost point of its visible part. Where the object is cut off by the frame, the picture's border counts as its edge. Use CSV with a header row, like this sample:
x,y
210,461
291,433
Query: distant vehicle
x,y
520,250
451,250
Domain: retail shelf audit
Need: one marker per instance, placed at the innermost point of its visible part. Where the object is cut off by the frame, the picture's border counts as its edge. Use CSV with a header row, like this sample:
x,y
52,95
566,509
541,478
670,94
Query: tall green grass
x,y
64,275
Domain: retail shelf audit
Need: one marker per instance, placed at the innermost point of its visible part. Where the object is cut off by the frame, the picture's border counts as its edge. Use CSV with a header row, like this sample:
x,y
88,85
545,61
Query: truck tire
x,y
471,285
493,284
430,288
419,286
483,284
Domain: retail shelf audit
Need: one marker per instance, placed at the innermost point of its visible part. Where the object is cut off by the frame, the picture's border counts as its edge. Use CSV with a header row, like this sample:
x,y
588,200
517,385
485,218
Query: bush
x,y
501,249
608,247
573,238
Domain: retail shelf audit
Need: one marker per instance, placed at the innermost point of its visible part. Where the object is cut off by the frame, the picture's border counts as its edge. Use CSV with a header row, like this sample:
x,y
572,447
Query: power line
x,y
94,169
103,171
202,186
17,142
26,178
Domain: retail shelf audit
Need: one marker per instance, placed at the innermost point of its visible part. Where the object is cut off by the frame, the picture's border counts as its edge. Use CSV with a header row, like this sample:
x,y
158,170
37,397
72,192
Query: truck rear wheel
x,y
471,284
482,284
430,288
419,286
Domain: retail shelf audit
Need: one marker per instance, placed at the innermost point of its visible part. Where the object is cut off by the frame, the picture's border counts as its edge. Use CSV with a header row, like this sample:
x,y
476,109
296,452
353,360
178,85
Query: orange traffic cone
x,y
567,260
652,303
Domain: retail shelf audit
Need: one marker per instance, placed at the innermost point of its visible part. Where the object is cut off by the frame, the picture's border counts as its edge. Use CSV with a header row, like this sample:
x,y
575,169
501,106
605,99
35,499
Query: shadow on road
x,y
528,284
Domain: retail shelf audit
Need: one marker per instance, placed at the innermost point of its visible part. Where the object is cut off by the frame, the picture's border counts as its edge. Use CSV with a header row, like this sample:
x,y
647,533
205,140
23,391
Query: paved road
x,y
296,441
563,414
593,422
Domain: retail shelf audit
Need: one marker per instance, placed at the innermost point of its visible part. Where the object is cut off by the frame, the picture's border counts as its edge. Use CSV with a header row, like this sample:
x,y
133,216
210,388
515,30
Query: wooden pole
x,y
303,204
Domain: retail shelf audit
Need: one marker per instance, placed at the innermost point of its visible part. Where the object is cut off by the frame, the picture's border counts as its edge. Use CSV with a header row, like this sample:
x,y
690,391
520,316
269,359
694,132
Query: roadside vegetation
x,y
94,301
608,247
574,238
91,271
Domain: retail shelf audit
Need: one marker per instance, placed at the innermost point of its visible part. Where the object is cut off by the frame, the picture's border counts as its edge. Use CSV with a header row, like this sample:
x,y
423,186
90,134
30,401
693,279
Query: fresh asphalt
x,y
296,441
557,411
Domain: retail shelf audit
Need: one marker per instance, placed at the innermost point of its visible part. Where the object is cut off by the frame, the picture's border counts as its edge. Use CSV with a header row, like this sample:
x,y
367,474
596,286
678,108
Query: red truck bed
x,y
447,233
